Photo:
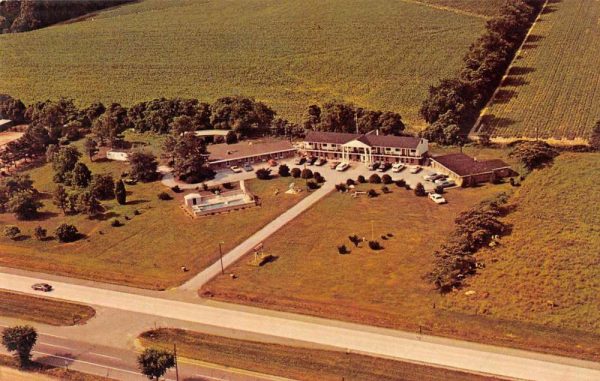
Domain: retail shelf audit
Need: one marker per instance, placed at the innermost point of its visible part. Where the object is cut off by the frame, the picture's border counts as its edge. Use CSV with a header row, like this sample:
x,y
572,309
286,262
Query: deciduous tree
x,y
21,340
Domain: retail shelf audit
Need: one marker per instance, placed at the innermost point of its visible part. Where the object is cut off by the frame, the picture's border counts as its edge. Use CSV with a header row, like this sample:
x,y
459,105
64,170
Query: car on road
x,y
299,160
235,169
311,160
437,198
248,167
384,167
334,164
342,167
320,162
415,169
45,287
430,176
373,166
397,167
444,183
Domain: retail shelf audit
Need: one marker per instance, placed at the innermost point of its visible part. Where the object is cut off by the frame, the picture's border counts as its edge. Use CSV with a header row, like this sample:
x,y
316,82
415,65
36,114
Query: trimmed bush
x,y
12,232
312,185
40,233
164,196
296,172
355,239
385,189
263,174
386,179
401,183
420,190
306,174
284,170
342,249
115,223
341,187
372,193
176,189
375,179
67,233
318,178
361,179
439,189
375,245
350,182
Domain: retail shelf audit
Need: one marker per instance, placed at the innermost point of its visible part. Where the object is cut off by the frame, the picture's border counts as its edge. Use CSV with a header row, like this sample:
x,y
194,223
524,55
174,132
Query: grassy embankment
x,y
386,288
294,53
294,362
43,310
552,90
150,248
41,372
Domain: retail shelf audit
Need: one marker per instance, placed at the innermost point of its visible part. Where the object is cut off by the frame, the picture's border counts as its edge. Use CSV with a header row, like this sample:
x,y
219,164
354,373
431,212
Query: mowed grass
x,y
378,54
41,372
552,255
149,250
291,361
554,84
384,288
43,310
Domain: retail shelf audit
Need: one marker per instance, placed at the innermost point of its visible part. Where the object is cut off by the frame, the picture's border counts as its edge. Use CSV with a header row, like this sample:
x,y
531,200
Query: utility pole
x,y
176,365
221,256
372,231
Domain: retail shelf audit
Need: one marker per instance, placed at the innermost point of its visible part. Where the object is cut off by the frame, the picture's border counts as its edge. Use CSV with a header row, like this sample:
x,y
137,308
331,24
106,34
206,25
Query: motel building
x,y
366,148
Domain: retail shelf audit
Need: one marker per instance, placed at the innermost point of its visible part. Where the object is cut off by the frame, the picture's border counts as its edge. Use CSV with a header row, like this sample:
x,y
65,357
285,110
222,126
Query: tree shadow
x,y
520,70
137,202
504,96
515,81
490,122
21,238
533,38
106,216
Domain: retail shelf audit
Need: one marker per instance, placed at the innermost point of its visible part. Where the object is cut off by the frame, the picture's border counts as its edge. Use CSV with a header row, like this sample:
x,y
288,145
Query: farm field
x,y
288,54
487,8
43,310
295,362
149,249
558,214
384,288
553,88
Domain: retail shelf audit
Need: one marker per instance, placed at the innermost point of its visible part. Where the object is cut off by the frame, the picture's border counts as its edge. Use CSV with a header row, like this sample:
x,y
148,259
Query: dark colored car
x,y
45,287
311,160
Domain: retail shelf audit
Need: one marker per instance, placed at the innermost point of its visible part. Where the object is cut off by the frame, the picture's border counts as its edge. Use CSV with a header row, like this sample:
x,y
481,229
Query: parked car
x,y
384,167
397,167
272,163
321,161
444,183
437,198
334,164
415,169
299,160
430,176
342,167
248,167
373,166
45,287
311,160
235,169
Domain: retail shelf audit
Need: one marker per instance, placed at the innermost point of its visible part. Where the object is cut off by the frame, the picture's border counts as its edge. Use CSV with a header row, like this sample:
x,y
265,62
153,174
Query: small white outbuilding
x,y
117,155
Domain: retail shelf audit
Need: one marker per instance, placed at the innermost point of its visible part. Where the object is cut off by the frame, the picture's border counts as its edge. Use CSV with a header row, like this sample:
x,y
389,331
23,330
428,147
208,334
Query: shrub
x,y
228,186
534,154
407,186
375,245
263,174
296,172
341,187
312,185
284,170
372,193
176,189
375,179
120,192
318,178
439,189
386,179
67,233
350,182
355,239
40,233
12,232
342,249
361,179
400,183
306,174
385,189
115,223
164,196
420,190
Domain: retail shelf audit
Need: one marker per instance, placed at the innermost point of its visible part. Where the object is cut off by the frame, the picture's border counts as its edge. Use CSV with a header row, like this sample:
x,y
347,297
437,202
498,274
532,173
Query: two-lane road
x,y
363,339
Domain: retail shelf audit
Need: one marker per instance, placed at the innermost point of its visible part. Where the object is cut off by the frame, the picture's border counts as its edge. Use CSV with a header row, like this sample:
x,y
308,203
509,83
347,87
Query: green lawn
x,y
295,362
379,54
149,250
551,256
43,310
387,288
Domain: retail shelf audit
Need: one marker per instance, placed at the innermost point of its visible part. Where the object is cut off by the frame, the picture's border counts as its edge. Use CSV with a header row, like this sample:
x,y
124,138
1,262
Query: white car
x,y
430,176
415,169
341,167
445,183
397,167
437,198
235,169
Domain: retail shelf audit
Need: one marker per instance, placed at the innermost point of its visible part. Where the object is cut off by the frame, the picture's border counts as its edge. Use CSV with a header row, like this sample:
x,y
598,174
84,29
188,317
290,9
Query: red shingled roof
x,y
247,148
464,165
330,137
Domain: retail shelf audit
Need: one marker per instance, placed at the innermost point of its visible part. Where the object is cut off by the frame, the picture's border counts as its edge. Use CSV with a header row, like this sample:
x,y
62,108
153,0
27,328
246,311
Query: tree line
x,y
25,15
454,104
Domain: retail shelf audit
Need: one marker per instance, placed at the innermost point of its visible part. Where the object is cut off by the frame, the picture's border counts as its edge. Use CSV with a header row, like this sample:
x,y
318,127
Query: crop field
x,y
554,279
553,88
288,54
292,361
150,248
43,310
386,287
485,8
